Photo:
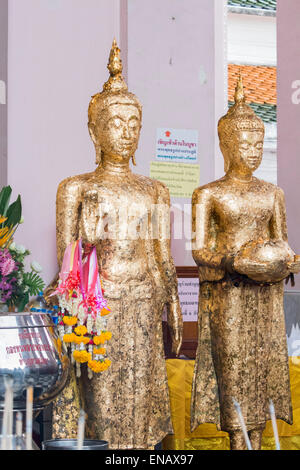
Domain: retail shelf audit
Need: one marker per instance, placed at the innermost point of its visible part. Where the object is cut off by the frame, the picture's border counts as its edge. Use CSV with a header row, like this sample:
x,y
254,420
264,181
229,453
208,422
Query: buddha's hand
x,y
176,325
51,299
294,266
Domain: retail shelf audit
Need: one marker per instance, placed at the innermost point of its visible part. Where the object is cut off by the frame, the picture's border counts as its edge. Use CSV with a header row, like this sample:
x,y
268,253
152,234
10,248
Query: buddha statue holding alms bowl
x,y
126,216
240,246
265,261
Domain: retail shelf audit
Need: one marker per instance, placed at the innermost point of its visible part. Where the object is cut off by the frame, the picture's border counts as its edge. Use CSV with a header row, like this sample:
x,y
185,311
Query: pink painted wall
x,y
288,16
58,52
172,44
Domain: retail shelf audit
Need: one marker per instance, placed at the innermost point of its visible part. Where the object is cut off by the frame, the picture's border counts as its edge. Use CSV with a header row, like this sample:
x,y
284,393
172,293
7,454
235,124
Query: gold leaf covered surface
x,y
240,246
127,217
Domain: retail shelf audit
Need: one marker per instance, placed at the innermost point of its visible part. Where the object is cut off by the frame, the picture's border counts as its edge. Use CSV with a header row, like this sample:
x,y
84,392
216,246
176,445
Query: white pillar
x,y
3,91
288,13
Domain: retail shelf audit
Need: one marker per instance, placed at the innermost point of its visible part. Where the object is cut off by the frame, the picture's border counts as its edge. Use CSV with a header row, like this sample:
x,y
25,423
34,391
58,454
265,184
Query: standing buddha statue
x,y
126,216
240,246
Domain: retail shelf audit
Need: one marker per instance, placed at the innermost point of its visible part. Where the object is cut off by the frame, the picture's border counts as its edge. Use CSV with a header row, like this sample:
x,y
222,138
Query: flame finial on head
x,y
116,81
115,90
239,96
240,116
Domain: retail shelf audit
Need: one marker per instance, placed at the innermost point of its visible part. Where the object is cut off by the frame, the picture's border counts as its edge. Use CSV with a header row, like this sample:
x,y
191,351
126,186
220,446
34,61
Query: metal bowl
x,y
71,444
18,442
31,353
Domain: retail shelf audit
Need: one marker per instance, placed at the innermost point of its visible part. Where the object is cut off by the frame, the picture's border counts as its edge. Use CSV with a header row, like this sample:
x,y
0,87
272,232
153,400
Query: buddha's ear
x,y
92,131
98,154
224,149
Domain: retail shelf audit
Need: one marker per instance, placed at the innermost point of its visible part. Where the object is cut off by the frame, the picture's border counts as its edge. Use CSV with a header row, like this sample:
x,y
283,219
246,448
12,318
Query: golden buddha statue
x,y
126,216
240,246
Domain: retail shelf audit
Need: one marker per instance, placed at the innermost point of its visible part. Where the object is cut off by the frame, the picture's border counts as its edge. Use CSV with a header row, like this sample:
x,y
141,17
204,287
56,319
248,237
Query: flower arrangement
x,y
16,284
82,320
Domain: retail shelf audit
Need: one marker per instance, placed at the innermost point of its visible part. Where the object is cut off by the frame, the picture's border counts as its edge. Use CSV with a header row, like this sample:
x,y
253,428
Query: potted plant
x,y
17,284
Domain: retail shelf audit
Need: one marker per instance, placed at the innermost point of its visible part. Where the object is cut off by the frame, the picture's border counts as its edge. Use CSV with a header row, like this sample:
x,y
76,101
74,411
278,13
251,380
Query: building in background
x,y
252,51
252,47
256,7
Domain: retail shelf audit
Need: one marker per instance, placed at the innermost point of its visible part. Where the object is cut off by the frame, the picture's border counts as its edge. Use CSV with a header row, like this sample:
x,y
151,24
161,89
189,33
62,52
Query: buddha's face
x,y
118,132
245,151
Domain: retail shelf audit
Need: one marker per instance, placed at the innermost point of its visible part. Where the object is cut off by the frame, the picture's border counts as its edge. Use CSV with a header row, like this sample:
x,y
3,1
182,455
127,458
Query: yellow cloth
x,y
206,436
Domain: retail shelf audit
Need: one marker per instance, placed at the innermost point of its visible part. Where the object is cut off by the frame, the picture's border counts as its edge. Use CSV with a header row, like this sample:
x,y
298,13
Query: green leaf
x,y
34,282
23,302
14,213
4,199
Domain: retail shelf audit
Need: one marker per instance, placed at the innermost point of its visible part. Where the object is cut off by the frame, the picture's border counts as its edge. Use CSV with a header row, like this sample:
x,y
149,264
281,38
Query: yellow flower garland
x,y
82,356
98,366
105,336
69,338
99,339
70,321
101,351
78,319
104,312
81,339
81,330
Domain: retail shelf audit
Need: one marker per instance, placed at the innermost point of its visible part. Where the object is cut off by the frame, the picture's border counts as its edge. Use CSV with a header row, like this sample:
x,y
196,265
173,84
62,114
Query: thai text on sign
x,y
177,145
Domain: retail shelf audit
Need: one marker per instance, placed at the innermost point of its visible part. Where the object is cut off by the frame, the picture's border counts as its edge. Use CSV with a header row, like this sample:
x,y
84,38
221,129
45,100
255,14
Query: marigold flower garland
x,y
83,310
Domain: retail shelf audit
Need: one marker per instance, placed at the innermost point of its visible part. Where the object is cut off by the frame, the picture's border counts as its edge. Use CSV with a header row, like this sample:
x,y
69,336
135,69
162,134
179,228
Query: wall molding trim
x,y
3,90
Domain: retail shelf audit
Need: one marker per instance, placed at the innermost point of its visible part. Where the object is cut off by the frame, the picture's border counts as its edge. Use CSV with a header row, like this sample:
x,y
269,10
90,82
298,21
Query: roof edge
x,y
252,11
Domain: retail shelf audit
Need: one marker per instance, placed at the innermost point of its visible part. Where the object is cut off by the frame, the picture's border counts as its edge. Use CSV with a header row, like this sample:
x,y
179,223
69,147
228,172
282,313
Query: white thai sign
x,y
177,145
